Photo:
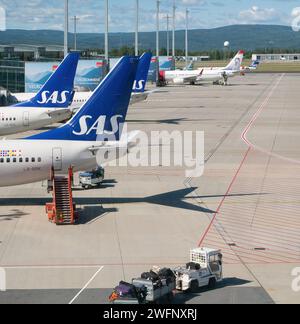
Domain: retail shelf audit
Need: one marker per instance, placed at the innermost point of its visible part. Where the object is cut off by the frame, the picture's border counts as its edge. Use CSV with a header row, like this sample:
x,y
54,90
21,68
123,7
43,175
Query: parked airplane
x,y
205,74
50,105
254,65
139,94
95,129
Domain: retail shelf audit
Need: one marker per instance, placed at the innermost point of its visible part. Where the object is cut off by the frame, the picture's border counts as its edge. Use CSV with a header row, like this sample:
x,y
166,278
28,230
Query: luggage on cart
x,y
125,290
167,274
152,276
156,270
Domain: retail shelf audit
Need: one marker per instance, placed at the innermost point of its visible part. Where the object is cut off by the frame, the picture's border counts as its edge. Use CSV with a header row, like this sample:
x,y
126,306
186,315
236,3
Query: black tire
x,y
212,283
194,286
170,297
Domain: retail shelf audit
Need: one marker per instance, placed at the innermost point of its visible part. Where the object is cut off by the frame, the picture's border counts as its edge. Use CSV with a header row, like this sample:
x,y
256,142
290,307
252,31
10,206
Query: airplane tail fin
x,y
255,64
142,73
236,63
190,67
103,116
58,91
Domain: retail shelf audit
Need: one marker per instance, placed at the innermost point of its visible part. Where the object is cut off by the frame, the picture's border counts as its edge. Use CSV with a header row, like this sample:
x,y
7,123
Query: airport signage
x,y
88,76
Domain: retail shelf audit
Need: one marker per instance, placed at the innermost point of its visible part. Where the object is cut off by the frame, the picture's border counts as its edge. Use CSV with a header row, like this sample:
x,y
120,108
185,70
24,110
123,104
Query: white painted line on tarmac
x,y
51,267
86,285
253,120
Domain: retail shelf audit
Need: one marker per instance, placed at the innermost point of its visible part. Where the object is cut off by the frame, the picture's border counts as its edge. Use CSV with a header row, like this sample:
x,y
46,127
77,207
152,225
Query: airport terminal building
x,y
276,57
12,63
12,75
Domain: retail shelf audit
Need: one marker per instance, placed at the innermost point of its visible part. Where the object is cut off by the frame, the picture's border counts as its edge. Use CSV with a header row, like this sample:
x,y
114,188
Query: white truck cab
x,y
205,269
89,180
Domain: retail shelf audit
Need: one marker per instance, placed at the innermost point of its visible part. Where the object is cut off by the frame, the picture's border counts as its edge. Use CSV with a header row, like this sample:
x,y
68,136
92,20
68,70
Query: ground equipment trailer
x,y
156,294
204,270
154,287
153,294
91,179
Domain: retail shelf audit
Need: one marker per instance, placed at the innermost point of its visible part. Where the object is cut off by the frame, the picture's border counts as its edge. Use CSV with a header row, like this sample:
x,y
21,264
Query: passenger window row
x,y
20,160
9,119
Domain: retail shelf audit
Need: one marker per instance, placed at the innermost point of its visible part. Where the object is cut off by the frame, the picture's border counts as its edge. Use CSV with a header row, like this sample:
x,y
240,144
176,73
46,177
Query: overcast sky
x,y
41,14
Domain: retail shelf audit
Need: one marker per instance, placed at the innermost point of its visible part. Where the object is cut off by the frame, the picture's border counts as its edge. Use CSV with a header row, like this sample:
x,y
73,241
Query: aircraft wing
x,y
59,112
142,96
127,141
138,97
192,78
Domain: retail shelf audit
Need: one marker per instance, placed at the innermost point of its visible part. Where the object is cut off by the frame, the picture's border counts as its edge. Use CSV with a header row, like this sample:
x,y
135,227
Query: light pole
x,y
187,38
174,27
137,29
76,19
168,17
106,30
157,26
66,28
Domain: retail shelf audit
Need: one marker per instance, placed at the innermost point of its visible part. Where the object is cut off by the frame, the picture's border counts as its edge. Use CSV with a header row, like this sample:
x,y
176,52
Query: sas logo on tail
x,y
98,126
56,97
139,85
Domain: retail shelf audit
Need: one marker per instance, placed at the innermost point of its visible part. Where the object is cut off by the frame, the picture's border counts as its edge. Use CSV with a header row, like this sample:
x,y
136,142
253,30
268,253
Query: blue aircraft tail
x,y
255,64
142,73
103,116
58,91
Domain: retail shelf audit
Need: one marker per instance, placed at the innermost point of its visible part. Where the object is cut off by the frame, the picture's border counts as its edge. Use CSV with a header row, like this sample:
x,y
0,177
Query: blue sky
x,y
41,14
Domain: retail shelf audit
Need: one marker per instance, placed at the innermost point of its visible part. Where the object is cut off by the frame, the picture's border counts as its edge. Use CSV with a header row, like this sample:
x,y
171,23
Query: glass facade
x,y
12,75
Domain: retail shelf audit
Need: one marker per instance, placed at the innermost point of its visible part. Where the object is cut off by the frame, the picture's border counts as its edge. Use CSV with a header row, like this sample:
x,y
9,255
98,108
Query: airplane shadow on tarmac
x,y
15,214
174,121
180,199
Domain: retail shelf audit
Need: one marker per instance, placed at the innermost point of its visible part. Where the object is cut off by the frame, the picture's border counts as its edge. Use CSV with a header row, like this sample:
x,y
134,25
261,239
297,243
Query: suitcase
x,y
125,289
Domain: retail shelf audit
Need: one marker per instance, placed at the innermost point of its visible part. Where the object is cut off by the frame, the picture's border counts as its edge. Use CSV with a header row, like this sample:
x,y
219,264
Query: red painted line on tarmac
x,y
225,196
294,227
252,254
257,114
267,239
244,138
254,118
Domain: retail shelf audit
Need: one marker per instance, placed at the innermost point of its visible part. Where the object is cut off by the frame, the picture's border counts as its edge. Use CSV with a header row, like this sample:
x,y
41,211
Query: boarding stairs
x,y
62,210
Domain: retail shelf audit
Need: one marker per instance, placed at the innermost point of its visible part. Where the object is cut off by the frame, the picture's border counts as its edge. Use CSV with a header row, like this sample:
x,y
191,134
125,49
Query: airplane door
x,y
57,159
26,118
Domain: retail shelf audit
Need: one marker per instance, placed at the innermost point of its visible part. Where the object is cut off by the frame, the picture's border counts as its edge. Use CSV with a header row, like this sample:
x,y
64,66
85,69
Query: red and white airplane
x,y
204,75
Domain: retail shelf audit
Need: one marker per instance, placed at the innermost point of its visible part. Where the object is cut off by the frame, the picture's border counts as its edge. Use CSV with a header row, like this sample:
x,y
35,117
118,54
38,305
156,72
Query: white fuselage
x,y
14,120
81,97
208,75
28,161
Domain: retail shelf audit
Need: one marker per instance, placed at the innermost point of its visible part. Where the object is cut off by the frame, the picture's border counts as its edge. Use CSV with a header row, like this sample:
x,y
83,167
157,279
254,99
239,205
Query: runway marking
x,y
51,267
86,285
225,196
253,120
257,114
269,244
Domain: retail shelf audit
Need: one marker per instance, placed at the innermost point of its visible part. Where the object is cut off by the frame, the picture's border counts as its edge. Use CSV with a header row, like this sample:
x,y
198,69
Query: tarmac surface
x,y
246,203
